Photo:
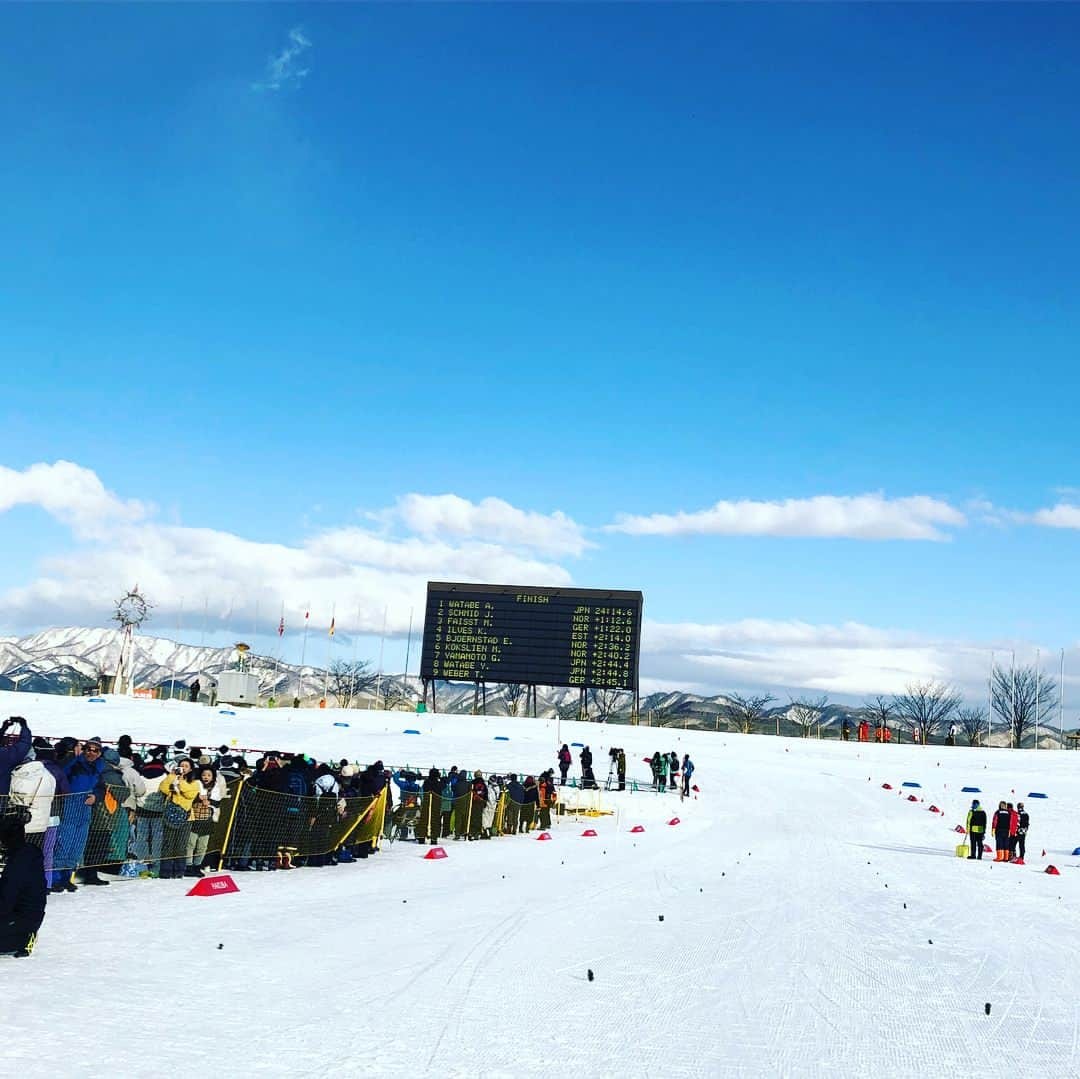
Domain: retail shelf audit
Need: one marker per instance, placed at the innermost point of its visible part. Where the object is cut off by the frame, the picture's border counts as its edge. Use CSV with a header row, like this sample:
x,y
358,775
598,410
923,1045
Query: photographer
x,y
180,788
22,886
14,745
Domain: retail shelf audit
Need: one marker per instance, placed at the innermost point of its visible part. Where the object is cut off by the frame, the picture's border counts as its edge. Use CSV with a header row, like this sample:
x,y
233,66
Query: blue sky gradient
x,y
599,260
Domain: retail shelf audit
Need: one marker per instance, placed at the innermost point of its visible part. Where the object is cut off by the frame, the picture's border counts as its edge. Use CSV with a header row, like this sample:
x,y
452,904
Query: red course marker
x,y
434,854
637,828
221,885
543,836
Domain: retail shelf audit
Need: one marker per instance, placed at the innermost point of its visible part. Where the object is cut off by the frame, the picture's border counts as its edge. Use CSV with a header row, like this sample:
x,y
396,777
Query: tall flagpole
x,y
408,650
179,630
303,653
1061,701
990,701
329,650
382,644
1038,671
1012,705
281,644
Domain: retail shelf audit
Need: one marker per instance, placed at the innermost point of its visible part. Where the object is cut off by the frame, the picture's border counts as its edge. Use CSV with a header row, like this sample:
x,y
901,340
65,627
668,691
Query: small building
x,y
239,688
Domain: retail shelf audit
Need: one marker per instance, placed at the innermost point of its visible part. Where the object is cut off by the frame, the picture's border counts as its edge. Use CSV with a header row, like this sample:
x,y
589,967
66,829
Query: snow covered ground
x,y
814,924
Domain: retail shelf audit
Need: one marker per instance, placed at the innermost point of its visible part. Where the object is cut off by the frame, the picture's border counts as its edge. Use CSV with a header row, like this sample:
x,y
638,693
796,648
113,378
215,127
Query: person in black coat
x,y
22,886
588,780
515,799
1023,823
427,826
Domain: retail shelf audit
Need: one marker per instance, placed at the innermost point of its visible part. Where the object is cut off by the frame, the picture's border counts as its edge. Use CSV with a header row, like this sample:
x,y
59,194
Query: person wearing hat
x,y
22,886
427,825
1000,824
83,766
1023,822
530,805
976,829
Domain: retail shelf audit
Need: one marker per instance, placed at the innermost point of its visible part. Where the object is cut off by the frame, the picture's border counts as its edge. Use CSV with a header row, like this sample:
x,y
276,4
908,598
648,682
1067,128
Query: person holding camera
x,y
180,788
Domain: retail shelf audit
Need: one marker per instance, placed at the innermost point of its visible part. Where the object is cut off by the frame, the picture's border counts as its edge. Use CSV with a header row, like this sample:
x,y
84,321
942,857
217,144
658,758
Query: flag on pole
x,y
332,622
281,627
307,615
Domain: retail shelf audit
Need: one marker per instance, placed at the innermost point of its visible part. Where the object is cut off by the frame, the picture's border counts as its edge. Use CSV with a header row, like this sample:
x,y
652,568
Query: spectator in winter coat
x,y
328,802
427,824
546,796
687,772
180,789
107,840
204,814
515,799
1000,824
449,792
1023,822
530,804
673,768
478,793
462,802
33,787
564,764
149,814
1014,825
976,829
22,886
620,765
15,742
588,780
60,792
83,766
494,792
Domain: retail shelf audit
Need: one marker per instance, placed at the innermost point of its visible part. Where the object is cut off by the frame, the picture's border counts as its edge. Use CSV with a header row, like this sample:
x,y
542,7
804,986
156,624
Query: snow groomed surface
x,y
813,922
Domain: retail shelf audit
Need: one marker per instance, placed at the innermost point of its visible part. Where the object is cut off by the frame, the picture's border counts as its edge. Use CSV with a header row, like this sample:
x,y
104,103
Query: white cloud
x,y
360,571
284,69
72,494
489,519
864,517
849,660
1063,515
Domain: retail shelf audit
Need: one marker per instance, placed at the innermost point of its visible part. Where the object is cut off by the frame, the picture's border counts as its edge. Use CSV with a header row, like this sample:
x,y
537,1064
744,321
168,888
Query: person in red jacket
x,y
1014,827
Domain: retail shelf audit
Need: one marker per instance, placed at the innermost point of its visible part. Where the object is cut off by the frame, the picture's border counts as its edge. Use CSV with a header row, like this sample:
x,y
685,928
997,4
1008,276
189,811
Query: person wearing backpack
x,y
447,802
22,886
564,764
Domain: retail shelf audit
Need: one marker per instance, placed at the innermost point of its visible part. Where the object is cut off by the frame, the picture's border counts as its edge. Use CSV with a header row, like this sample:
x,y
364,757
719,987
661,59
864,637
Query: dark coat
x,y
516,792
12,756
22,885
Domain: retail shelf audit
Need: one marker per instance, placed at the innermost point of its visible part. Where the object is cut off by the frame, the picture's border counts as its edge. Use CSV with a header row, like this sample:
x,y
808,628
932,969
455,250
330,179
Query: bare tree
x,y
804,713
882,711
1018,696
972,722
607,702
396,698
513,694
349,680
744,713
924,707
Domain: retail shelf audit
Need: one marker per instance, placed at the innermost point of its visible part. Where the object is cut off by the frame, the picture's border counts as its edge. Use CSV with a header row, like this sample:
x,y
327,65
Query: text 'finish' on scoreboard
x,y
540,636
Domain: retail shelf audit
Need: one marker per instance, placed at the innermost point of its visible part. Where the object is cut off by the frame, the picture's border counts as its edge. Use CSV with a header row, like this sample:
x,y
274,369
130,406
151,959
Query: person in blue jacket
x,y
22,886
15,743
83,766
687,772
515,799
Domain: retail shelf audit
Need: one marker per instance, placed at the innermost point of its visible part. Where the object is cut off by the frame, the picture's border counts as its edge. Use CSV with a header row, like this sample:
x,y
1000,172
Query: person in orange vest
x,y
548,797
864,731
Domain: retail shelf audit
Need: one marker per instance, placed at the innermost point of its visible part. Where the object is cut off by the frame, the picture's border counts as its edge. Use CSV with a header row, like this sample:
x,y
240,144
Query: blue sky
x,y
272,269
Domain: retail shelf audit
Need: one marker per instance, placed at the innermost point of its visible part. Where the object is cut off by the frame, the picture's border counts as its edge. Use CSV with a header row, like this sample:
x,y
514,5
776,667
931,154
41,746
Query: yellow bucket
x,y
963,850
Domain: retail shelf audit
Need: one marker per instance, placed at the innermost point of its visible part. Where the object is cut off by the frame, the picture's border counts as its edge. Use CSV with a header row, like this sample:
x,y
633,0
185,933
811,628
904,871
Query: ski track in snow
x,y
785,948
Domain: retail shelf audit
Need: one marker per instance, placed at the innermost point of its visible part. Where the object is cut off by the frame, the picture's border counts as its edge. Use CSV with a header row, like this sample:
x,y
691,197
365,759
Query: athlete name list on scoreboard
x,y
559,637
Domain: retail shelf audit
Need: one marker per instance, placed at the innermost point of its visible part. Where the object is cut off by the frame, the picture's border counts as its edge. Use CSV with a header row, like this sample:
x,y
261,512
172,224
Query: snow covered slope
x,y
814,924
